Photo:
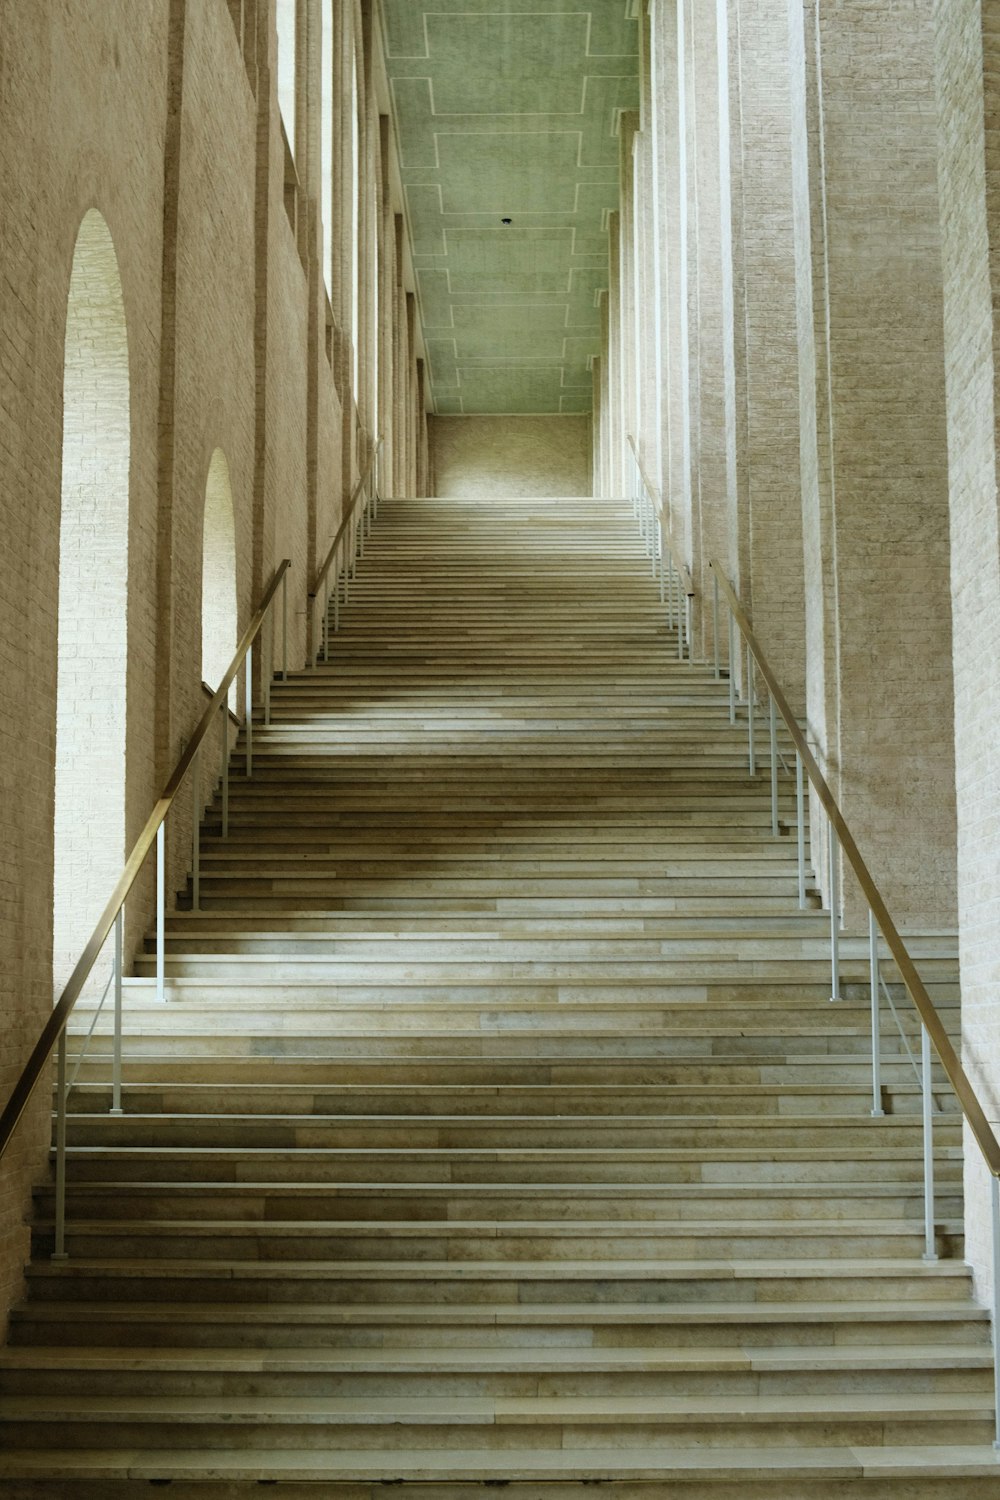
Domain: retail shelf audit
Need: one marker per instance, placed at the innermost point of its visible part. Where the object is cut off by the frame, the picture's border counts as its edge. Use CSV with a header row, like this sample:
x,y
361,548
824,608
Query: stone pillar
x,y
764,534
968,91
874,464
670,212
616,414
710,305
628,292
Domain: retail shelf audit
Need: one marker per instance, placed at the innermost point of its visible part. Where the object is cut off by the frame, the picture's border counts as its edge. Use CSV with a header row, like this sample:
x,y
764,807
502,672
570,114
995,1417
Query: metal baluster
x,y
732,669
269,627
800,833
995,1220
773,724
116,1054
927,1099
876,995
715,625
59,1253
284,628
751,704
834,919
681,614
161,871
196,832
225,769
248,712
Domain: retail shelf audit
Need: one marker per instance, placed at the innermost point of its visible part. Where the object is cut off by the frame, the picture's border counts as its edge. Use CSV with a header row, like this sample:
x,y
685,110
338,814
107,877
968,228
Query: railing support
x,y
800,827
732,670
715,626
196,833
773,727
876,997
161,901
927,1101
248,711
269,670
59,1252
751,705
116,1053
284,627
834,916
224,709
995,1221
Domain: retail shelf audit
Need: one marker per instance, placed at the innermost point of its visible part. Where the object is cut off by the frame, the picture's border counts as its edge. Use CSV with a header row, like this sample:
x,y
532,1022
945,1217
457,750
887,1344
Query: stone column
x,y
968,91
764,533
874,456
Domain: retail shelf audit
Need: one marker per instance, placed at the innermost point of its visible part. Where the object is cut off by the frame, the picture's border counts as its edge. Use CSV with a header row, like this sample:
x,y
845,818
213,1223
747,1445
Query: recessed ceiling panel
x,y
509,109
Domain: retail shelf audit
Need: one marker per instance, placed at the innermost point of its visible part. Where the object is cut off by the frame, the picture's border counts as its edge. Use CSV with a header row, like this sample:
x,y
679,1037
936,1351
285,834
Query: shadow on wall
x,y
511,455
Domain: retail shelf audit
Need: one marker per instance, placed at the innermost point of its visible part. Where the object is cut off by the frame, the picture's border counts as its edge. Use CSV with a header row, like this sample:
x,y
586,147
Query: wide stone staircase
x,y
498,1128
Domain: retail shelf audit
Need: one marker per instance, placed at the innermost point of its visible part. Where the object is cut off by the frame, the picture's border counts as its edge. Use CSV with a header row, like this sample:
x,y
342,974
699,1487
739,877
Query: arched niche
x,y
93,596
218,575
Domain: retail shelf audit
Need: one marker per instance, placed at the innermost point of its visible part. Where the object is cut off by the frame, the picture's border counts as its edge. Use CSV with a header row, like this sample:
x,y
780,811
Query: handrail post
x,y
269,662
715,625
681,614
834,918
196,833
800,827
248,712
751,705
284,626
670,593
732,669
224,706
927,1102
59,1251
995,1221
161,870
116,1055
876,996
663,556
773,725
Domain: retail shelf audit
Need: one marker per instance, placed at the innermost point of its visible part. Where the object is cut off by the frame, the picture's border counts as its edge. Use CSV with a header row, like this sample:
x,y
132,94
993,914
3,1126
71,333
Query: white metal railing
x,y
347,546
112,919
669,567
880,928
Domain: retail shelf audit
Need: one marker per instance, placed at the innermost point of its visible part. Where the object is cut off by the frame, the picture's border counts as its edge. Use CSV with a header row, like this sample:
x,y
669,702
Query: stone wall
x,y
511,455
170,131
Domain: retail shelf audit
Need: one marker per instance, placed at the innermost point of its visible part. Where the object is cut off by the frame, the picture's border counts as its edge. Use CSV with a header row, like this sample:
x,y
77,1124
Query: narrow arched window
x,y
93,597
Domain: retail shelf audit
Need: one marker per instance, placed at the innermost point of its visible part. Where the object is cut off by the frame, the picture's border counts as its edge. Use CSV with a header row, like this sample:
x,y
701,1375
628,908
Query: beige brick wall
x,y
880,690
967,65
511,455
157,126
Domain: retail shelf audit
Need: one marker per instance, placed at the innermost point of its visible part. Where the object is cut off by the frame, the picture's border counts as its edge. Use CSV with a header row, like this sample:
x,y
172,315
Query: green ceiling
x,y
509,108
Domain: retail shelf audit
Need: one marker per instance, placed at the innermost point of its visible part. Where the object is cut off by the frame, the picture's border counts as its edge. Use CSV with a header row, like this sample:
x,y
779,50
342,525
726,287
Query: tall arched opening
x,y
93,596
218,576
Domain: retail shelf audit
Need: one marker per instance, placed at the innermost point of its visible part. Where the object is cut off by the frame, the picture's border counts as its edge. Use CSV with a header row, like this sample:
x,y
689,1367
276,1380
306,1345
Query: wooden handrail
x,y
957,1076
32,1071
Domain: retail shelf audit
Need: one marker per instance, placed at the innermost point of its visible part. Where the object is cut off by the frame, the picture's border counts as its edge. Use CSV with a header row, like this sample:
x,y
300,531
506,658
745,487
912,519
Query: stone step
x,y
501,1284
728,1369
887,1472
408,1165
729,1202
470,1239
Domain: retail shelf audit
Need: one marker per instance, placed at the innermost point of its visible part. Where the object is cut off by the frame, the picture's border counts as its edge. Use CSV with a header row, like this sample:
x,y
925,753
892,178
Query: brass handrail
x,y
684,572
957,1076
346,519
32,1071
